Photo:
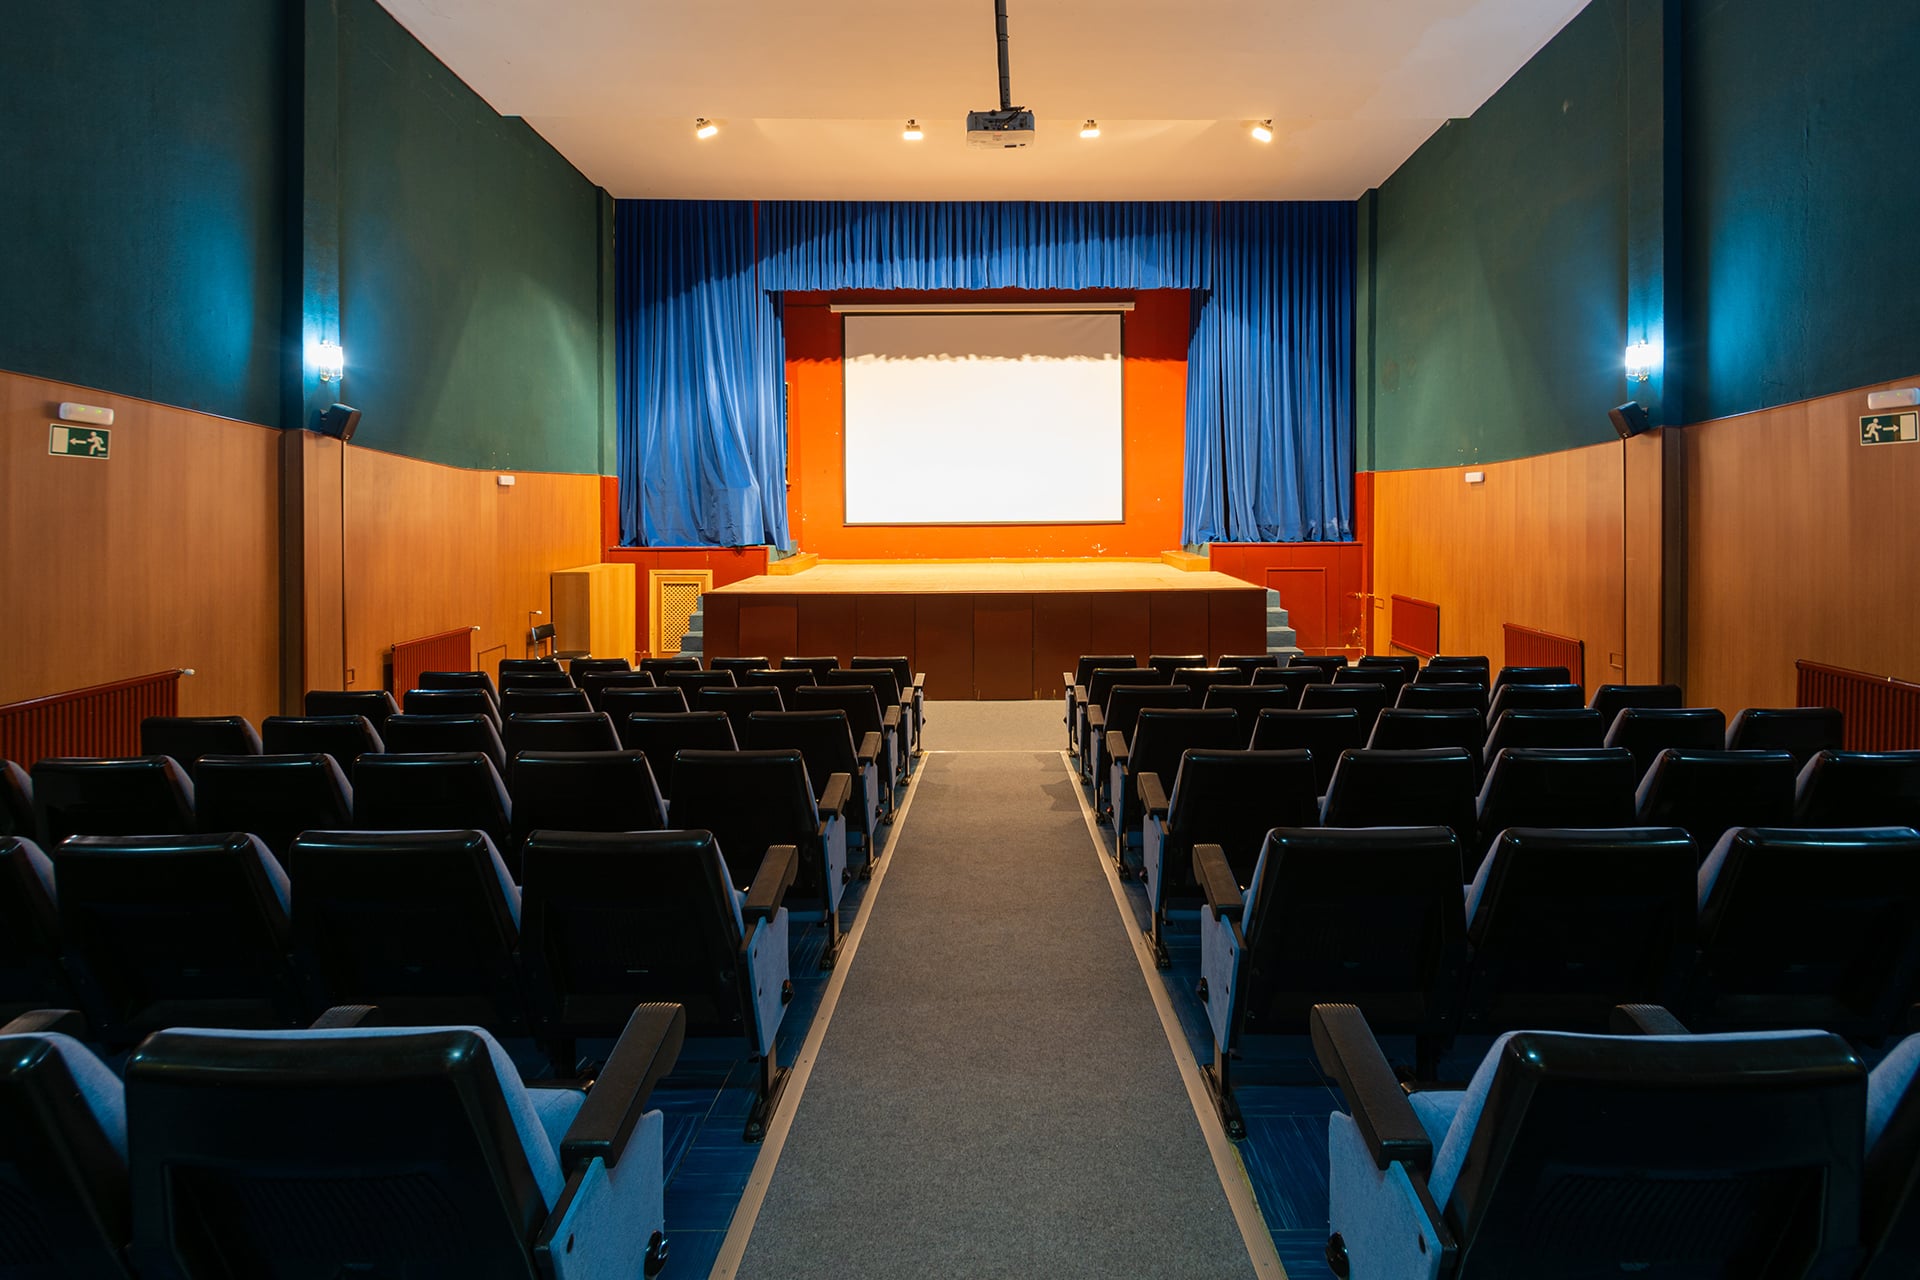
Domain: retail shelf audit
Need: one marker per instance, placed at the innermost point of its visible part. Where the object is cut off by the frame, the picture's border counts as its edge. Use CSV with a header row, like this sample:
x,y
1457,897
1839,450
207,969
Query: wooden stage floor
x,y
986,629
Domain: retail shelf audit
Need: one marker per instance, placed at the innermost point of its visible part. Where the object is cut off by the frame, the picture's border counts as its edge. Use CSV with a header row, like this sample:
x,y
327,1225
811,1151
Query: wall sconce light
x,y
329,358
1262,131
704,128
913,132
1091,129
1642,359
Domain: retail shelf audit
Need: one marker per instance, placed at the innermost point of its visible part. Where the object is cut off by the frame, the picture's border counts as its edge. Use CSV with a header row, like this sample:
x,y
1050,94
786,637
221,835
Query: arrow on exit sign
x,y
77,442
1889,428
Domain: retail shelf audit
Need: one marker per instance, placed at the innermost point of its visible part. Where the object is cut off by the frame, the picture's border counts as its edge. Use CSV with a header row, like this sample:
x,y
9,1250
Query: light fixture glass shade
x,y
328,359
913,132
1091,129
704,128
1642,359
1263,131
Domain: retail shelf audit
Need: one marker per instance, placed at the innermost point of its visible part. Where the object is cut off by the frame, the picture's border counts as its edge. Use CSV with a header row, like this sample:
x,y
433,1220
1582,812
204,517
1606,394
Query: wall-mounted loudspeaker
x,y
1630,419
339,421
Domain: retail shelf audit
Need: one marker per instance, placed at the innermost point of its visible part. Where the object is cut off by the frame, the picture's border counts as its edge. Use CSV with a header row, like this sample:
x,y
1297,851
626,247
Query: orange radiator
x,y
103,720
1883,714
1416,626
447,651
1531,647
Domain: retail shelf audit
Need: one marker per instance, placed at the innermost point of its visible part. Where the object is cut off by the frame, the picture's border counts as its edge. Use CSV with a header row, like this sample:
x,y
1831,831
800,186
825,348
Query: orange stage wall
x,y
1153,397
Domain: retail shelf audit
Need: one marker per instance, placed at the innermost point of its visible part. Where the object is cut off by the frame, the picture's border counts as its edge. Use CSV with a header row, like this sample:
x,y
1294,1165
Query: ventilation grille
x,y
1882,714
103,720
1531,647
675,598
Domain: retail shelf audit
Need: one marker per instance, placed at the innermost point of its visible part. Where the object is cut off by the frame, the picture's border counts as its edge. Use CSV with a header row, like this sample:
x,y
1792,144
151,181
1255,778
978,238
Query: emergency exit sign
x,y
1889,428
77,442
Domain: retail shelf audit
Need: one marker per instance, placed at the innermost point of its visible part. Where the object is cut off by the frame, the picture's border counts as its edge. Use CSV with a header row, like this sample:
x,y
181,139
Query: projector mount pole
x,y
1000,22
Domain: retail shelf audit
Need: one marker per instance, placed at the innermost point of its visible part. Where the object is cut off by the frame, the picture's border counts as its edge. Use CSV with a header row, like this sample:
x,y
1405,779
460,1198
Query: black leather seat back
x,y
580,668
1102,681
688,682
740,665
554,679
1411,728
450,702
142,795
1392,679
1647,731
516,700
662,735
1567,922
1859,789
559,731
1248,662
1247,701
598,684
1162,734
1326,732
31,975
1168,663
1557,787
1445,668
624,703
1202,680
1534,696
421,924
458,680
583,791
16,801
1368,697
823,740
1811,928
751,800
187,738
541,666
1370,918
1710,792
1126,701
273,797
1091,662
1531,675
177,930
448,791
411,735
1325,663
1293,679
785,679
738,704
1544,727
655,667
64,1205
816,665
1594,1154
1611,699
300,1158
1431,787
375,704
857,702
1232,799
886,689
1424,693
609,921
900,665
1802,732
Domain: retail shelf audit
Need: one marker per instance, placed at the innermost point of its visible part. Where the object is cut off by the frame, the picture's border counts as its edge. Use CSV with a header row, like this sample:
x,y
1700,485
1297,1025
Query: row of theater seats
x,y
141,933
341,1150
1651,1151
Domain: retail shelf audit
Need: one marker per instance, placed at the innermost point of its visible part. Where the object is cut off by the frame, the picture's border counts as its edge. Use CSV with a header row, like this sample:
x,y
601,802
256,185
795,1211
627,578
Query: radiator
x,y
447,651
1416,626
1531,647
1883,714
103,720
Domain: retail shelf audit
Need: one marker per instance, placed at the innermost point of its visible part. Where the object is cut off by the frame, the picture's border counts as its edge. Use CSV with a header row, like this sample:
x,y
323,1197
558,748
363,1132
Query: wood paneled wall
x,y
167,554
1799,544
1538,543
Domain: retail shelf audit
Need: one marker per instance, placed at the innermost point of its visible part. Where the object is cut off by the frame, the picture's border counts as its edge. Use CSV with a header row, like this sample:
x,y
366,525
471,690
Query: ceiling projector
x,y
1006,128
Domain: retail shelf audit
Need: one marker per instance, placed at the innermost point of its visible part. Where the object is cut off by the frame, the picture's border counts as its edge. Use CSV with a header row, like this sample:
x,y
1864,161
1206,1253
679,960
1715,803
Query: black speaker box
x,y
1630,419
339,421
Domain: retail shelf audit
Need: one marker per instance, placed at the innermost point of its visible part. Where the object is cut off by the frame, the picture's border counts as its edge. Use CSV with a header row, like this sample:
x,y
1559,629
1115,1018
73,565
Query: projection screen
x,y
983,418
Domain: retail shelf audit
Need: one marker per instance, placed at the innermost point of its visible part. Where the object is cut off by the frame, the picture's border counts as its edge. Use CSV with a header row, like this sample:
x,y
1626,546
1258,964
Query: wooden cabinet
x,y
593,610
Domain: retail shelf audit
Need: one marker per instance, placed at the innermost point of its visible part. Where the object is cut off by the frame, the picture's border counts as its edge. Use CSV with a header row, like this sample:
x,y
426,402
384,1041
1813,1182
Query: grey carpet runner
x,y
995,1095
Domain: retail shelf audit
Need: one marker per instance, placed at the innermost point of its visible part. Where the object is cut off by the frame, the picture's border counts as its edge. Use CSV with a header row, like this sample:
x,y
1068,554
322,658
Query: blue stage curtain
x,y
701,374
813,245
1270,378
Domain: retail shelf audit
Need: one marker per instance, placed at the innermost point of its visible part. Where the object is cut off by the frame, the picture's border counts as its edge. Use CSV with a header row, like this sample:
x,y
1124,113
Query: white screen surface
x,y
983,418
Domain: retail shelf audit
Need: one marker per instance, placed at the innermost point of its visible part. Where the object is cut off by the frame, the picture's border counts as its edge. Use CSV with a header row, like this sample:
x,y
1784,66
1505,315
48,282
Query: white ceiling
x,y
811,94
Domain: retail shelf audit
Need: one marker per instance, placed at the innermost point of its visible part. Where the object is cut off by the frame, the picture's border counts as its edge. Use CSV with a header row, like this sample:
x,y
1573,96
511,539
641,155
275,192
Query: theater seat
x,y
1372,917
1809,929
515,700
1611,699
1390,678
1564,923
661,736
31,973
1124,704
1369,698
754,800
166,930
1423,694
412,735
1530,675
1093,693
479,680
1248,662
739,666
16,801
63,1159
1710,792
451,702
622,703
546,679
825,742
1202,680
375,704
545,666
422,925
1556,787
449,790
1647,731
785,679
345,738
1248,701
895,702
1160,736
688,682
816,665
1326,733
738,704
597,684
272,797
187,738
1168,663
865,715
1457,668
143,795
1799,731
1576,1155
1229,799
673,662
1325,664
1294,679
1890,1222
1859,789
559,731
582,791
394,1152
1544,727
1432,787
1538,696
609,921
1412,728
1076,682
912,685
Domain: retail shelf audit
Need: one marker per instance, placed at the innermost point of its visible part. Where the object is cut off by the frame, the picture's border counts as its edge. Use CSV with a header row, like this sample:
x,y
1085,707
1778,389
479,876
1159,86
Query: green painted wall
x,y
471,267
1497,287
1802,196
141,226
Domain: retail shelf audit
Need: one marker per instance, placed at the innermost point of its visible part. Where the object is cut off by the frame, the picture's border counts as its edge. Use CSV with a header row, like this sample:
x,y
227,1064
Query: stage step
x,y
1280,636
695,641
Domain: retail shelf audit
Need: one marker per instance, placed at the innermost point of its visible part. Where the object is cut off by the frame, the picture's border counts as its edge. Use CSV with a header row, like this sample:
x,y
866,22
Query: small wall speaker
x,y
339,421
1630,419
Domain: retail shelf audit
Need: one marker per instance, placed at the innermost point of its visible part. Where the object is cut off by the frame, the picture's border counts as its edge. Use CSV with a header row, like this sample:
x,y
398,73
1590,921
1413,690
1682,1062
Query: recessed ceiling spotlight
x,y
1263,131
1091,129
913,132
704,128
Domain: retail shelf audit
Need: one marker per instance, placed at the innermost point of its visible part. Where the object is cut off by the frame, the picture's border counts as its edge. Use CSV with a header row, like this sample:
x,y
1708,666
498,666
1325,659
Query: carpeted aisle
x,y
995,1095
